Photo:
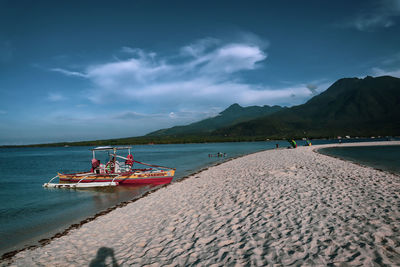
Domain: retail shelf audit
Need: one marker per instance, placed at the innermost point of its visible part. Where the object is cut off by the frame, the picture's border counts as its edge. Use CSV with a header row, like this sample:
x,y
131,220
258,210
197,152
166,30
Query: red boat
x,y
115,172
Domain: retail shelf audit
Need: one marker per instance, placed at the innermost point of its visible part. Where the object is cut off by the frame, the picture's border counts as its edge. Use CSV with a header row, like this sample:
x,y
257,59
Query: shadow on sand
x,y
102,258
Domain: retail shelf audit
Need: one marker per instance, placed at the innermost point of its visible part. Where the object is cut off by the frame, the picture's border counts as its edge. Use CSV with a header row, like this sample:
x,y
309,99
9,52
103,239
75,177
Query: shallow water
x,y
29,212
380,157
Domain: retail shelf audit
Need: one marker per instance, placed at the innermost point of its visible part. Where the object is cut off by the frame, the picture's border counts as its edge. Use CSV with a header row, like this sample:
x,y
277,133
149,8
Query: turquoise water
x,y
28,212
380,157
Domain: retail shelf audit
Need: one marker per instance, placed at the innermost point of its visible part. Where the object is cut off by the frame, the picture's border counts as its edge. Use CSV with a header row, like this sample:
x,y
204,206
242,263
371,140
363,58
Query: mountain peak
x,y
232,108
232,115
351,106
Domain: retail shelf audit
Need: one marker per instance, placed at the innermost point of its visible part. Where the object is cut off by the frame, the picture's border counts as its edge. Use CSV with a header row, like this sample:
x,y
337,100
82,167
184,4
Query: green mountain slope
x,y
351,106
230,116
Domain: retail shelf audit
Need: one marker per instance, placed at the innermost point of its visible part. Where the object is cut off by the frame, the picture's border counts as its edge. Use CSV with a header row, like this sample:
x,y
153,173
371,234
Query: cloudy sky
x,y
84,70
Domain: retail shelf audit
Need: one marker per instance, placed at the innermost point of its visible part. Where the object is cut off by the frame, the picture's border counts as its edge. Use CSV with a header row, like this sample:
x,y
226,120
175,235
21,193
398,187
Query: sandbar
x,y
281,207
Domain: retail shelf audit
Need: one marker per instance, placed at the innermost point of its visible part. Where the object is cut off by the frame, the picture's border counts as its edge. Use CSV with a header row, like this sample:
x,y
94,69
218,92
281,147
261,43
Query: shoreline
x,y
289,172
47,240
239,140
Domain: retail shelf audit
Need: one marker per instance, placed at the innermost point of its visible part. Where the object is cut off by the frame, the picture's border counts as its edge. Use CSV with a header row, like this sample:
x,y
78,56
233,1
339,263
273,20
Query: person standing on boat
x,y
129,160
95,165
110,166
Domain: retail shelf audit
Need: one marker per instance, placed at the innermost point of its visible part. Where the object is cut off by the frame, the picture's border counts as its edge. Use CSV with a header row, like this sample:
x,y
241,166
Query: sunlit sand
x,y
284,206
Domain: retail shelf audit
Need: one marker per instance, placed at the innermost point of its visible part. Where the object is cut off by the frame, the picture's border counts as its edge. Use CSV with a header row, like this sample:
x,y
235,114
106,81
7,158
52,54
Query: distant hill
x,y
351,106
234,114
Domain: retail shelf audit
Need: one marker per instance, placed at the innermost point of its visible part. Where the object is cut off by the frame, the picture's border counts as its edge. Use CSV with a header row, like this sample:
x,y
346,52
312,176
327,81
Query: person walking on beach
x,y
293,143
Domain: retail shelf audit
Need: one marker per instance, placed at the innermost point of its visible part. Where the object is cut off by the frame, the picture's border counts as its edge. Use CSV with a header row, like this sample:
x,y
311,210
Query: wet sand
x,y
286,207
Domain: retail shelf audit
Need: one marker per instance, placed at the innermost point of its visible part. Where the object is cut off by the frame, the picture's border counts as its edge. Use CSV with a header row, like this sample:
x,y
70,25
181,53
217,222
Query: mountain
x,y
351,106
234,114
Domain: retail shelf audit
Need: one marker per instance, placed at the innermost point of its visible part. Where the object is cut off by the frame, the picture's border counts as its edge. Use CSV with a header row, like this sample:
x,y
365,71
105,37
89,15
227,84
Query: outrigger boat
x,y
114,172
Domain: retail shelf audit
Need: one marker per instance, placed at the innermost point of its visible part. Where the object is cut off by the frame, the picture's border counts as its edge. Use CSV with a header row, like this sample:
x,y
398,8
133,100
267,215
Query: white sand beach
x,y
285,207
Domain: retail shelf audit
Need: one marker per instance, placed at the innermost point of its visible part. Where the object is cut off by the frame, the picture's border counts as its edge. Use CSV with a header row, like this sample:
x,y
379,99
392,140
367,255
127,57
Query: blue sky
x,y
85,70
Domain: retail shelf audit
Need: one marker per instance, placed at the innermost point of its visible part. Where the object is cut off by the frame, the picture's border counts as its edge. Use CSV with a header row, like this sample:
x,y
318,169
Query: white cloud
x,y
200,77
392,60
143,91
368,22
380,14
232,58
198,48
55,97
69,73
312,88
132,115
3,112
92,125
381,72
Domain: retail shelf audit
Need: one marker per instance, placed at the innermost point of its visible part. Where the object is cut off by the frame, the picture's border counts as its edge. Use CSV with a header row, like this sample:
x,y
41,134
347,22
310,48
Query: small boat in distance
x,y
114,172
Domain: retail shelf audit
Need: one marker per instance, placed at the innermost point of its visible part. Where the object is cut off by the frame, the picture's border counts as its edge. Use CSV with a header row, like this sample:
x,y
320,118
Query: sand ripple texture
x,y
286,207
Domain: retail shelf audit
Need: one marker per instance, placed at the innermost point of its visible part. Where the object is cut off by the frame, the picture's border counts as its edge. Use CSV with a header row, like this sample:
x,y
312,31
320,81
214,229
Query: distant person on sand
x,y
293,143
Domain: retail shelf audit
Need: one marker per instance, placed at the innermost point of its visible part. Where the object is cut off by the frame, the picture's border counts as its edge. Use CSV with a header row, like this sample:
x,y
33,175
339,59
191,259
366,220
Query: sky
x,y
89,70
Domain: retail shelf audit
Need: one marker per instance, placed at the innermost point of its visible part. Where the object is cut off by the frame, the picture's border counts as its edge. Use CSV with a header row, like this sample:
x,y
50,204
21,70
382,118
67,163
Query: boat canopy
x,y
110,148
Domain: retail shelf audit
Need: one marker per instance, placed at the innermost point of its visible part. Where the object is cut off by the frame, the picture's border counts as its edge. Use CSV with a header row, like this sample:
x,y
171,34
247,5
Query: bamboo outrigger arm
x,y
78,184
155,166
52,179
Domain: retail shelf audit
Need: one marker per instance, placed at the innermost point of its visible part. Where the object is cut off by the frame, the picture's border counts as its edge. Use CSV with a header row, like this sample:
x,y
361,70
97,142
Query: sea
x,y
29,212
385,158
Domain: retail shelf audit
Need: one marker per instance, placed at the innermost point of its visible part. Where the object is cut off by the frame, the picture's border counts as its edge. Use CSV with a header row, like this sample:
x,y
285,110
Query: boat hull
x,y
128,179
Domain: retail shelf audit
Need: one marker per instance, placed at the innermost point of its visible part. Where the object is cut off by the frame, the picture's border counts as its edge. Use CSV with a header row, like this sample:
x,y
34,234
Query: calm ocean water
x,y
29,212
381,157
